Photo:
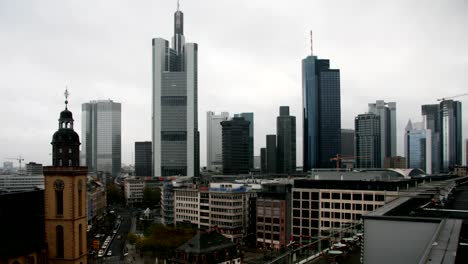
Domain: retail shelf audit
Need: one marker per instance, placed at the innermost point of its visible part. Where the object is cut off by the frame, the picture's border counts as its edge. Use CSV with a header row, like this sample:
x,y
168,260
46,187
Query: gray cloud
x,y
250,53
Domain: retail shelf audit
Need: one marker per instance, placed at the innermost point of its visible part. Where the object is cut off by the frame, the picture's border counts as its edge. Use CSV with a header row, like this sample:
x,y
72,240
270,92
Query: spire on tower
x,y
177,5
66,96
311,44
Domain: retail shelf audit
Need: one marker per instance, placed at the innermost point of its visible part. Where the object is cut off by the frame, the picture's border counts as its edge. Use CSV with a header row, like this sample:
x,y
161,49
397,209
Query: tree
x,y
151,197
114,194
132,238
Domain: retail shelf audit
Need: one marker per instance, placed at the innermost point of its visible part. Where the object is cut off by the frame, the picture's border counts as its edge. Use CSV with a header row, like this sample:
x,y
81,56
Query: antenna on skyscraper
x,y
177,5
311,44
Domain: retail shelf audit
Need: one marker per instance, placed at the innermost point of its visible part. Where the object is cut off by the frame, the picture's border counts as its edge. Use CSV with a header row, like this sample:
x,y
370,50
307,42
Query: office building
x,y
367,129
21,183
418,149
286,141
175,104
236,148
214,140
396,162
271,154
347,142
249,117
143,159
257,162
101,133
33,168
321,113
451,134
431,120
263,160
274,216
387,117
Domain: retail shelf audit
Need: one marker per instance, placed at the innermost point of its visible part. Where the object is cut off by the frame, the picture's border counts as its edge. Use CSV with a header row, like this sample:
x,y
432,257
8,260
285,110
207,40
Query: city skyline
x,y
97,61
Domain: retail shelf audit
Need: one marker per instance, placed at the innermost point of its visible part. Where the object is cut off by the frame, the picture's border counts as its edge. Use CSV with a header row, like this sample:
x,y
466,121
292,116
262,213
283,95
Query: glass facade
x,y
286,147
367,136
101,135
451,137
321,113
416,140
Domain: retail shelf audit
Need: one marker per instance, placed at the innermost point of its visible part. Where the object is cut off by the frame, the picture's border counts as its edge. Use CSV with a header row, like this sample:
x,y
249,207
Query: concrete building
x,y
222,205
175,133
271,154
236,146
143,159
388,137
96,201
367,127
273,220
286,141
321,112
396,162
249,117
451,134
21,183
214,140
133,190
33,168
101,134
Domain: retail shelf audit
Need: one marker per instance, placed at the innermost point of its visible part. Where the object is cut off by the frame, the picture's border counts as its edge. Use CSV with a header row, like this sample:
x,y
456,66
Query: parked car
x,y
109,253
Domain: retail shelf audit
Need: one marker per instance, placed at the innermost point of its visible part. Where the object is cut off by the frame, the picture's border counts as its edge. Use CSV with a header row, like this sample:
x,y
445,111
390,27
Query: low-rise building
x,y
133,190
21,182
97,201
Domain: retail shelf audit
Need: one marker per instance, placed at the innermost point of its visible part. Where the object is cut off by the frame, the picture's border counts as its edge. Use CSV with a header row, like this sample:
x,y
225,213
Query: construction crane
x,y
19,159
340,157
451,97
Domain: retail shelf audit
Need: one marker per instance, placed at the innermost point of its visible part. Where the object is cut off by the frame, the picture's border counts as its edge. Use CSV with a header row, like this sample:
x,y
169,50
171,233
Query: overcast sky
x,y
250,52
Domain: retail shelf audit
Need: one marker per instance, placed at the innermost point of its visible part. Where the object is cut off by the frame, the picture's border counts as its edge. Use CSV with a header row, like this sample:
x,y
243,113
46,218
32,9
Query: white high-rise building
x,y
388,138
214,136
175,105
101,147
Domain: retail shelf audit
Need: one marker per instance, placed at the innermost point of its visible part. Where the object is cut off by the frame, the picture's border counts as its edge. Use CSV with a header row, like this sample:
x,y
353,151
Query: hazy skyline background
x,y
250,52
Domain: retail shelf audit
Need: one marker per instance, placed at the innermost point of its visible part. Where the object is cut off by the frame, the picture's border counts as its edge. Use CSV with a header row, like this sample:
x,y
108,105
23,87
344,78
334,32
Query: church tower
x,y
65,196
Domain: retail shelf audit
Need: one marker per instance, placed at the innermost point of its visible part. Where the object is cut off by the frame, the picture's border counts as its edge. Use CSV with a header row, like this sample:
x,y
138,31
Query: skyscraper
x,y
271,154
418,149
466,152
451,136
143,159
263,166
235,146
431,119
286,132
387,114
175,104
101,135
347,142
367,129
249,117
214,140
321,113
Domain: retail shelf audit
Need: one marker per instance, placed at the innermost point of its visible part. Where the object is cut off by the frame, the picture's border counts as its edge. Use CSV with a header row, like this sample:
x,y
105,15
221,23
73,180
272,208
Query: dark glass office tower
x,y
286,132
143,159
263,166
367,129
347,142
235,146
249,117
175,104
450,134
321,113
431,118
271,154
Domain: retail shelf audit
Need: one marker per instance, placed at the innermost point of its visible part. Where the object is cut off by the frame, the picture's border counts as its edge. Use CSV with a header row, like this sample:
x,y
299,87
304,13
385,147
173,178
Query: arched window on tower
x,y
80,198
80,239
59,241
59,185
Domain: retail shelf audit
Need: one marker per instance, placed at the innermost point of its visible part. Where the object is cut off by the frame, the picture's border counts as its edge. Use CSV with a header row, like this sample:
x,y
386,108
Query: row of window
x,y
314,196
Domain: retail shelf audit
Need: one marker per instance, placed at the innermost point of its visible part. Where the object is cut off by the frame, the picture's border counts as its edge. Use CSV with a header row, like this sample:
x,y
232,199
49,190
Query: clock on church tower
x,y
65,195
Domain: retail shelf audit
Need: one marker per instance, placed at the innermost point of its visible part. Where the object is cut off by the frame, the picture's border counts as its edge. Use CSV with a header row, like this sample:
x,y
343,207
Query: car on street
x,y
119,237
100,253
109,253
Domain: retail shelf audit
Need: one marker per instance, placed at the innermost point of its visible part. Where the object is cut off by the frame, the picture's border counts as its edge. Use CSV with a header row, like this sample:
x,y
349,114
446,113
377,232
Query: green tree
x,y
132,238
114,194
151,197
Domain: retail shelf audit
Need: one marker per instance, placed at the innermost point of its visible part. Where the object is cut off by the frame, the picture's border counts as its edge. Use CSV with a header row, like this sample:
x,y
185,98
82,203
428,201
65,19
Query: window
x,y
368,197
315,196
70,150
59,202
357,196
80,239
173,136
336,196
379,198
346,196
80,206
60,241
305,196
325,195
173,100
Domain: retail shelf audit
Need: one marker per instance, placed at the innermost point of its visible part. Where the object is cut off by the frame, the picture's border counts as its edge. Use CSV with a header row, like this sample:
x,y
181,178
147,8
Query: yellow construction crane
x,y
451,97
19,159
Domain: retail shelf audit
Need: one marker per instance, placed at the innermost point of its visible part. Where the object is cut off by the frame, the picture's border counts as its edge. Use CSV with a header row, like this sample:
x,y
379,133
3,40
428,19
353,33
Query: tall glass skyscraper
x,y
387,114
367,136
214,140
101,135
450,134
418,149
431,120
286,137
249,117
321,113
143,158
175,104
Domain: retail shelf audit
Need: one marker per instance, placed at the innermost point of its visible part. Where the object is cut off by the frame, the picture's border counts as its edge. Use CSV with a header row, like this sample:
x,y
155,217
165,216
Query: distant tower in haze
x,y
321,112
214,140
65,196
286,137
367,136
101,132
387,116
175,104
